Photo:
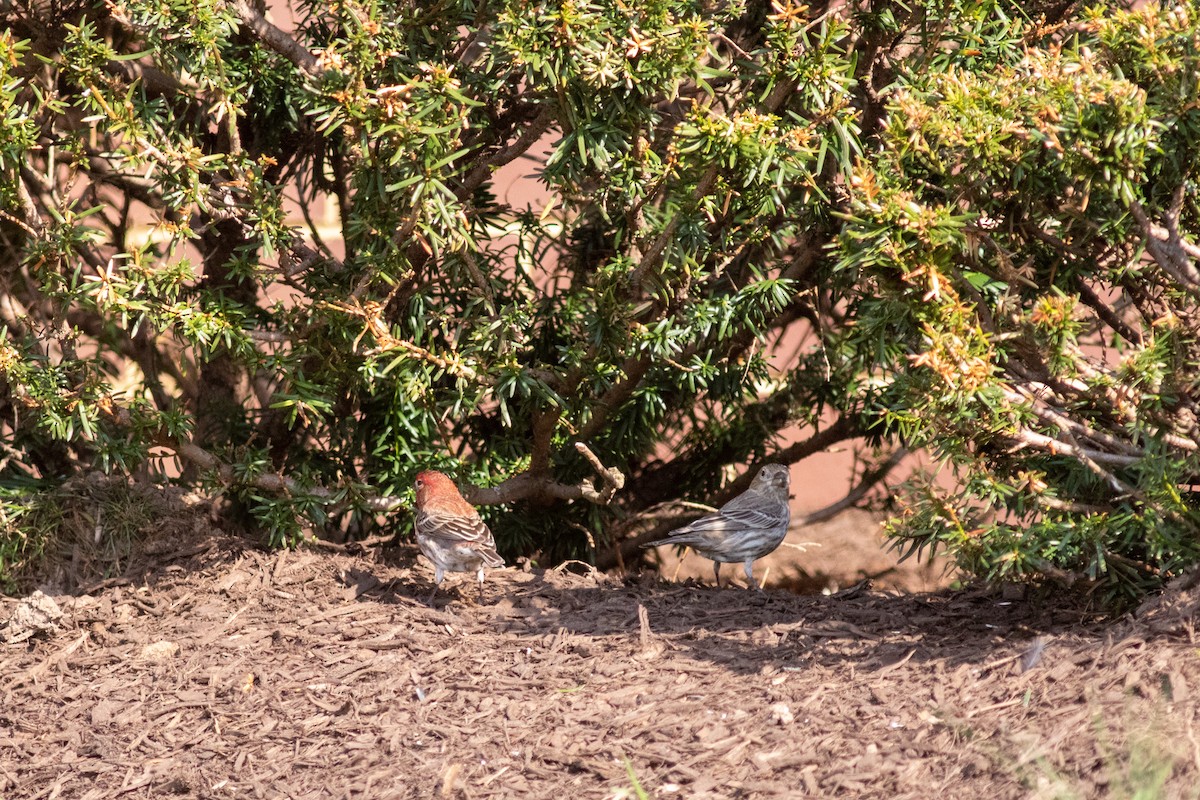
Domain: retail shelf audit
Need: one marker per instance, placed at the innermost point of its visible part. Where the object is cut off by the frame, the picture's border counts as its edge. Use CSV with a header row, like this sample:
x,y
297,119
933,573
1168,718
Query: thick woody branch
x,y
1039,441
273,483
482,171
33,222
1173,254
633,370
524,486
277,39
530,486
1106,313
156,81
267,482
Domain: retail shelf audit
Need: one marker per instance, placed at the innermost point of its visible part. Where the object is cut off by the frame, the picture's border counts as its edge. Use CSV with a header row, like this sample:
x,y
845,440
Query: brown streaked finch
x,y
449,531
746,528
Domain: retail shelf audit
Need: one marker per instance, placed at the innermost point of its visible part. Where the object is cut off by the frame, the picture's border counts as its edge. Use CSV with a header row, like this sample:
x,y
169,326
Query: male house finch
x,y
747,527
449,530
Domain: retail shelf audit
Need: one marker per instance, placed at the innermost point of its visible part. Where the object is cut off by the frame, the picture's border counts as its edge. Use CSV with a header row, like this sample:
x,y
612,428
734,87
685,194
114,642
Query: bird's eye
x,y
419,483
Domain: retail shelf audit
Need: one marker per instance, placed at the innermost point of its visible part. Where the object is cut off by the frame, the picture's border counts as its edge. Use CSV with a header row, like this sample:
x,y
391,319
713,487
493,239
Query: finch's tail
x,y
680,541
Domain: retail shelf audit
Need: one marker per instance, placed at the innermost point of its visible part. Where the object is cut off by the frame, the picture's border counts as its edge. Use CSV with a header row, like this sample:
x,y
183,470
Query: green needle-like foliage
x,y
275,255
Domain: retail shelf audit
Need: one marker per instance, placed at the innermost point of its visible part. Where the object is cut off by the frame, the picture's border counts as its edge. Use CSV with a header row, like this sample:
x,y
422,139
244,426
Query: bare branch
x,y
1074,507
1106,313
1052,416
852,498
33,220
277,39
613,478
528,485
482,171
1169,250
841,430
154,79
1038,441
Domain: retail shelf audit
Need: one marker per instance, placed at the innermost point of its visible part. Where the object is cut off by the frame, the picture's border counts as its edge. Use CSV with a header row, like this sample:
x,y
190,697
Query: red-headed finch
x,y
449,530
747,527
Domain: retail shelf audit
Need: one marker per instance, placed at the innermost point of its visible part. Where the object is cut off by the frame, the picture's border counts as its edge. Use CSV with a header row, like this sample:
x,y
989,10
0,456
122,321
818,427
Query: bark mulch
x,y
228,672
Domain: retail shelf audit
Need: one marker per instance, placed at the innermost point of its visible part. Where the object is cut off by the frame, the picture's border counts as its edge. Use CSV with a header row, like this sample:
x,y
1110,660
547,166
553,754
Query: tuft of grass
x,y
29,520
632,792
1143,755
1142,766
77,532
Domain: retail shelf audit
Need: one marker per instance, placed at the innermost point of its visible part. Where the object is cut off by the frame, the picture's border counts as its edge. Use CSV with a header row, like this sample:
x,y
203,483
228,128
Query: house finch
x,y
449,530
747,527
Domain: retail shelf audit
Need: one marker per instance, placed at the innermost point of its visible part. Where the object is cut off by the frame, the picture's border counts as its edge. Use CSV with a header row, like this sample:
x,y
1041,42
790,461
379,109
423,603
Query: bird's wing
x,y
763,508
747,511
731,521
743,518
452,528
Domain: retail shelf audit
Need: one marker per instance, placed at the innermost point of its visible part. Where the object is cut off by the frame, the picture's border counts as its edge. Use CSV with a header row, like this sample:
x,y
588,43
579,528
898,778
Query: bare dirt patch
x,y
225,671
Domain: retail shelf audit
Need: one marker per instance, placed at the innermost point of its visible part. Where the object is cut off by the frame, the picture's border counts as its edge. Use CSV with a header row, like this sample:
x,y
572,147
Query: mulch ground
x,y
223,671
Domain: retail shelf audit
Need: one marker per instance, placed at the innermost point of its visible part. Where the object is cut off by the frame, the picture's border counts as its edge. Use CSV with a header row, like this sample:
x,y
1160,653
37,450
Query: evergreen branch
x,y
476,176
485,288
840,430
274,483
371,313
12,312
651,258
807,253
1123,406
632,372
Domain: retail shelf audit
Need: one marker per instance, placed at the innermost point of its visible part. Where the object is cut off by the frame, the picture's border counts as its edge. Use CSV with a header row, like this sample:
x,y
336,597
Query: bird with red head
x,y
449,530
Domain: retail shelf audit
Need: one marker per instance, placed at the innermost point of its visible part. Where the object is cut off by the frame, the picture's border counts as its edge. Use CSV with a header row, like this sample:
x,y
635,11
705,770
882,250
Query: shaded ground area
x,y
227,672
